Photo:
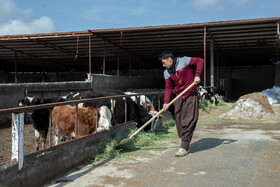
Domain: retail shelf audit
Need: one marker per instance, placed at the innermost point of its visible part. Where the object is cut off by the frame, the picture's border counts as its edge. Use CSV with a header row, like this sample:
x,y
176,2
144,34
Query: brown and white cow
x,y
64,121
40,117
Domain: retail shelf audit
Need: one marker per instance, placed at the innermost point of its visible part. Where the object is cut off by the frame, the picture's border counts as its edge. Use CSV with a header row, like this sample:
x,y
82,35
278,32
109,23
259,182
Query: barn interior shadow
x,y
208,143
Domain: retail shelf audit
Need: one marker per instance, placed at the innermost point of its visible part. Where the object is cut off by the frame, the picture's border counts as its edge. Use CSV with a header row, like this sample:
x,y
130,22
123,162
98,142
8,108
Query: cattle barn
x,y
241,56
236,53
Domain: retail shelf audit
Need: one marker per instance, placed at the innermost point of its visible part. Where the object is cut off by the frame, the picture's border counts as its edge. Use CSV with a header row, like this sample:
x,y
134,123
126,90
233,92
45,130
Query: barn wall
x,y
41,166
240,81
11,93
251,80
25,77
101,82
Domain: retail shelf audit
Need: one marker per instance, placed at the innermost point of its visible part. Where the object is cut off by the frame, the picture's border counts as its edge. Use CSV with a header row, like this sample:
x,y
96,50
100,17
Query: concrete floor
x,y
231,154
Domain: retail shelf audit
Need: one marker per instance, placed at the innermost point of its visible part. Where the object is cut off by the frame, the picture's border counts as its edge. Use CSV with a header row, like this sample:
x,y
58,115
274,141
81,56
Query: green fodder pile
x,y
142,140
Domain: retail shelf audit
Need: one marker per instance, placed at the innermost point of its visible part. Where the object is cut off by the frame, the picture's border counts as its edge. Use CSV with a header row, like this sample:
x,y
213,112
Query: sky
x,y
51,16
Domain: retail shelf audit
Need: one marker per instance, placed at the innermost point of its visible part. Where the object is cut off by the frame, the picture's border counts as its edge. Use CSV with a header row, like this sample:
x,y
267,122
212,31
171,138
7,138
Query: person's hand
x,y
196,80
165,107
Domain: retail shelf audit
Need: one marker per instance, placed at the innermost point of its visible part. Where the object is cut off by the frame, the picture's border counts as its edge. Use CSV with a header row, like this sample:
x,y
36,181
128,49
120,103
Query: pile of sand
x,y
251,106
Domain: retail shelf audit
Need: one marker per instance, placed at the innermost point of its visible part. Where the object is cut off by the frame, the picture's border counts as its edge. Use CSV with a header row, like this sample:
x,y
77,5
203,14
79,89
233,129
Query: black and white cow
x,y
213,96
40,117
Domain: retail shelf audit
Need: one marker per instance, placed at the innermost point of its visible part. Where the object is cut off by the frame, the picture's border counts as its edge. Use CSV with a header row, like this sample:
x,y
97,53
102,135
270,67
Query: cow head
x,y
71,96
142,114
29,100
105,117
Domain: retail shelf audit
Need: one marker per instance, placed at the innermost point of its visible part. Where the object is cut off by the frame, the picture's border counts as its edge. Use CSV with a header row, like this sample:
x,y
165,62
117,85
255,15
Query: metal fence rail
x,y
18,116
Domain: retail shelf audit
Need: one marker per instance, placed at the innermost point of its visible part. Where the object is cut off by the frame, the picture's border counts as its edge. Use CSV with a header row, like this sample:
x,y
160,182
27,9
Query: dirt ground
x,y
6,142
223,153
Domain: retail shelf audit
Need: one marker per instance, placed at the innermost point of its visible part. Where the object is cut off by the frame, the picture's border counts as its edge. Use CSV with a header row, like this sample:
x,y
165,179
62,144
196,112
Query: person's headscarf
x,y
172,69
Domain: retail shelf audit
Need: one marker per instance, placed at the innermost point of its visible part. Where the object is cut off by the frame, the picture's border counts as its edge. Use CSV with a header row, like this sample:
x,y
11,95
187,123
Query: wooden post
x,y
17,138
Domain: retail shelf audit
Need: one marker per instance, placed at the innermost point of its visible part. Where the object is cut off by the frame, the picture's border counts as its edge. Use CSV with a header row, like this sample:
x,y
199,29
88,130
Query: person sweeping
x,y
178,76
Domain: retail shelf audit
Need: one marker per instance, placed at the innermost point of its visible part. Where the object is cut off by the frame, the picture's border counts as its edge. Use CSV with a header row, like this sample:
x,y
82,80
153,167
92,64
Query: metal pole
x,y
76,129
204,44
118,63
104,57
89,54
125,110
16,78
43,71
212,63
96,106
159,103
217,77
130,66
50,127
278,41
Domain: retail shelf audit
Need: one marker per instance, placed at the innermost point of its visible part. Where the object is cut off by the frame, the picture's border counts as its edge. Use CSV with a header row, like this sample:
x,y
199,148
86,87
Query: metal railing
x,y
18,122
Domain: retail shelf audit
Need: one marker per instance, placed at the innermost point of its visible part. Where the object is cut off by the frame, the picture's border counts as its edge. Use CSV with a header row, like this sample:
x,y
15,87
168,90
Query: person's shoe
x,y
182,152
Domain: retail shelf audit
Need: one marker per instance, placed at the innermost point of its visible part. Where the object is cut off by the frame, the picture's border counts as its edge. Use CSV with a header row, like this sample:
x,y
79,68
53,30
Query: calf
x,y
135,112
144,101
40,117
148,105
207,94
64,121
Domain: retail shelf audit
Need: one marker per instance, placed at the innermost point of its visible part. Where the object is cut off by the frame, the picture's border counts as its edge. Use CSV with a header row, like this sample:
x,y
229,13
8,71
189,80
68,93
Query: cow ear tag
x,y
20,103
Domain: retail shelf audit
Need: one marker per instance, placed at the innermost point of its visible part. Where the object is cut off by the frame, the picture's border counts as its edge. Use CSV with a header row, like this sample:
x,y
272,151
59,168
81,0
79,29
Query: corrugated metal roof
x,y
256,37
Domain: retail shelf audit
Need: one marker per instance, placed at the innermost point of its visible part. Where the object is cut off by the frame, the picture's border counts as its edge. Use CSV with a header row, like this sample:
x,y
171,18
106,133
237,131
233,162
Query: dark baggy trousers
x,y
186,116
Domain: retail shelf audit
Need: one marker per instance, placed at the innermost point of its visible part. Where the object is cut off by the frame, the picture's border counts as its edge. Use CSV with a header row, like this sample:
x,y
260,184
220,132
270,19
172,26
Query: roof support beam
x,y
44,43
27,54
119,47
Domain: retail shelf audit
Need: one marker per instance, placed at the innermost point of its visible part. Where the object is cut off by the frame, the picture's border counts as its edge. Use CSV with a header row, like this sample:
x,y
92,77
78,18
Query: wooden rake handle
x,y
162,110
